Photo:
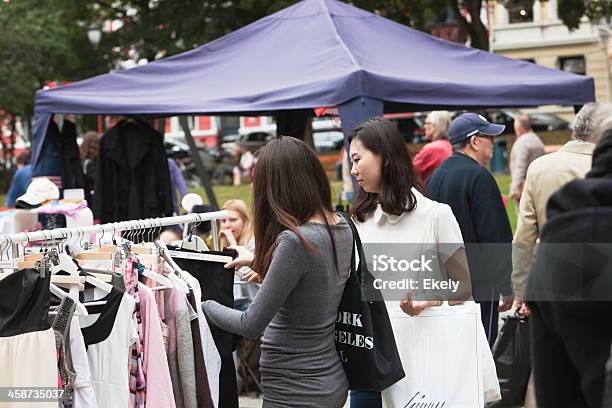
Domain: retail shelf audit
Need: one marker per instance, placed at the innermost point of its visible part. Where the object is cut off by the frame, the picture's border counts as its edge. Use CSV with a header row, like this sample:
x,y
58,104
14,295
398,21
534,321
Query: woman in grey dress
x,y
302,254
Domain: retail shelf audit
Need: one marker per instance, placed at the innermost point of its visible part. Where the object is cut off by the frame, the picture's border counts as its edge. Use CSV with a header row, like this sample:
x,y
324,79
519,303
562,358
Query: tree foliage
x,y
45,40
571,11
39,42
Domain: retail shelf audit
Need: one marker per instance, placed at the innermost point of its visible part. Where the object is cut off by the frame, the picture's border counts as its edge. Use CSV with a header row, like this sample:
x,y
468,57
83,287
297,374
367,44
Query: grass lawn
x,y
243,192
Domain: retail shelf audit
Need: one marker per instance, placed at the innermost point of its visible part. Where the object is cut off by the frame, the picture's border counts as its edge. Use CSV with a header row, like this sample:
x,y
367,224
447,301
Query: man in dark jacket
x,y
463,182
569,291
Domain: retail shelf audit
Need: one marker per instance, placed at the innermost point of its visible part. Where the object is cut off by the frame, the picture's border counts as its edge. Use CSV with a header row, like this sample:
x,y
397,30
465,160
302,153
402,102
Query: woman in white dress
x,y
390,209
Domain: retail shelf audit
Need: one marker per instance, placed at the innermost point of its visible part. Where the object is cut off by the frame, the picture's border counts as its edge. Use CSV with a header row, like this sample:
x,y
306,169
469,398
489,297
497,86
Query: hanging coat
x,y
51,161
132,177
73,172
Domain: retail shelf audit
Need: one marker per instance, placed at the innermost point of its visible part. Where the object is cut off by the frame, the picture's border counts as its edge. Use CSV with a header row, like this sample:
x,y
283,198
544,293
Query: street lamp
x,y
94,34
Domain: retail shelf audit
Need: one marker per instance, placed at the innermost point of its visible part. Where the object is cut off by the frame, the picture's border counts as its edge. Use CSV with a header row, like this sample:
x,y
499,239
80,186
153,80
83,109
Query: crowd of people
x,y
303,256
294,252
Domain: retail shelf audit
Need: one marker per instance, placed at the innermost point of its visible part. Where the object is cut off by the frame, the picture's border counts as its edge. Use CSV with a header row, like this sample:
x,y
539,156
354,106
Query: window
x,y
575,64
519,11
229,124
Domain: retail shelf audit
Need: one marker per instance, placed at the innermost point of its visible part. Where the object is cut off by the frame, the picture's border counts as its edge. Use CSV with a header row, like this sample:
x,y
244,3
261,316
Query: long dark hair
x,y
290,186
381,137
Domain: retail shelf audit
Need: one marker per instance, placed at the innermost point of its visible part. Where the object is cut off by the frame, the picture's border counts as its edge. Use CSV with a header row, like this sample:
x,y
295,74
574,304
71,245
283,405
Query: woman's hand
x,y
244,258
229,237
252,276
416,307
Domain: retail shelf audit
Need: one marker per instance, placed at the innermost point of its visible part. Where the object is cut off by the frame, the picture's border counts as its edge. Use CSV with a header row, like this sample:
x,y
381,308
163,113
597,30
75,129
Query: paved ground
x,y
245,401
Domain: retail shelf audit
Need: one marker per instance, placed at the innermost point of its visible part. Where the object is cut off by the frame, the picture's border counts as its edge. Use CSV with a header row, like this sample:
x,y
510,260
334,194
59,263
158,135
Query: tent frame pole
x,y
204,179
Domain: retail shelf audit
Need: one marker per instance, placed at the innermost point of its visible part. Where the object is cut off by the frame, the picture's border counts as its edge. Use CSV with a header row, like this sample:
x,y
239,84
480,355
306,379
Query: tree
x,y
153,29
571,11
39,42
43,40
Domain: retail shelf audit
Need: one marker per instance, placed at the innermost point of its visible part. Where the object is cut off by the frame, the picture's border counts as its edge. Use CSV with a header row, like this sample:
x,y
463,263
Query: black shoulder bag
x,y
364,337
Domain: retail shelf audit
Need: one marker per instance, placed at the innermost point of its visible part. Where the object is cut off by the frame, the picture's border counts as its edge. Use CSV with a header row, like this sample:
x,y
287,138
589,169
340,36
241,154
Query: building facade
x,y
531,30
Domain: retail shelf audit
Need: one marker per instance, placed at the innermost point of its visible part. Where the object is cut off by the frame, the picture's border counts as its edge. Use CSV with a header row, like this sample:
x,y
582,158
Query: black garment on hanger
x,y
24,303
73,172
217,283
103,326
132,177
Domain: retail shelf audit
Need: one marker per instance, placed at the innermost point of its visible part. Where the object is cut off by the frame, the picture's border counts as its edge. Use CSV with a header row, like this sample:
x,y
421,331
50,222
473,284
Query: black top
x,y
574,261
102,327
473,195
24,303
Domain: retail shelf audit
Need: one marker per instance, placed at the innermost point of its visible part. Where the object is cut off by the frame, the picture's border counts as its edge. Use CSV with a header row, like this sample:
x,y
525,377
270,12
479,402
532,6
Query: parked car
x,y
327,140
540,121
179,150
252,141
410,125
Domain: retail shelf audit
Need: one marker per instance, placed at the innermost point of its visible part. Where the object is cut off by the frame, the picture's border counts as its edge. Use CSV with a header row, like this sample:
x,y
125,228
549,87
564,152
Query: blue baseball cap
x,y
469,124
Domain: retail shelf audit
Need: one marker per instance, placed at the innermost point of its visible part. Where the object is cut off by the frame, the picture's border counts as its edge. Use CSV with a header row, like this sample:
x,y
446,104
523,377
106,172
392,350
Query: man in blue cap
x,y
464,183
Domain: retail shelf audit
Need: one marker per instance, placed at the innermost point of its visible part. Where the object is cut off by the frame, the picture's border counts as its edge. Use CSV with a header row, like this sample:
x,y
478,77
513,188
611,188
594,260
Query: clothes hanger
x,y
95,263
157,277
200,256
172,266
6,264
71,281
62,262
193,242
79,307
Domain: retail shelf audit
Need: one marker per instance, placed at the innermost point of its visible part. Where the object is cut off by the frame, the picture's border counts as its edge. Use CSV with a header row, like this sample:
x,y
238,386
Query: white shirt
x,y
108,359
429,232
84,396
415,227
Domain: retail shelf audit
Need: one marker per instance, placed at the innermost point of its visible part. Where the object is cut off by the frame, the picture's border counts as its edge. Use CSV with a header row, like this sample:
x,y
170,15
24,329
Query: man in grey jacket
x,y
545,176
525,150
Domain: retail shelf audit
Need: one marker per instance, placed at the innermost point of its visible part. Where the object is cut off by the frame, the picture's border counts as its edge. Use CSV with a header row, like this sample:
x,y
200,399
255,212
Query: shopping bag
x,y
364,338
607,400
445,356
512,355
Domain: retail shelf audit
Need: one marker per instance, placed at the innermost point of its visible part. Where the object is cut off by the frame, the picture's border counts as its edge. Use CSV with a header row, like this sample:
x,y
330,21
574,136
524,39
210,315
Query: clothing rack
x,y
63,233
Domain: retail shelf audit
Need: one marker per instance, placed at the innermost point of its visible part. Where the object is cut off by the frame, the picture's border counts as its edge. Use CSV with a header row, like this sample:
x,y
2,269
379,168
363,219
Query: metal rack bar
x,y
45,235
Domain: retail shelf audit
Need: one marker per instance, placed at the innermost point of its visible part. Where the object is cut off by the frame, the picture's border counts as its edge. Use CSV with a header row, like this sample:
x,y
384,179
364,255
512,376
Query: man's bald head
x,y
522,124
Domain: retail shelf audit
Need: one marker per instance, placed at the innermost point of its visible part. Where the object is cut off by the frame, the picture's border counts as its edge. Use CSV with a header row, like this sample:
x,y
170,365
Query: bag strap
x,y
356,243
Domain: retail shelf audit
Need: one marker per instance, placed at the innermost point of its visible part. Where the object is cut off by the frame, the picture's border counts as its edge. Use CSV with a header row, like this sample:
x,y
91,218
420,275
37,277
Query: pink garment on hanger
x,y
159,384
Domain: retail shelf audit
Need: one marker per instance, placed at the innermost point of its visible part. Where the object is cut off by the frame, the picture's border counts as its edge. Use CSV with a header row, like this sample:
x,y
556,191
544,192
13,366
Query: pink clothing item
x,y
155,361
431,157
138,382
55,207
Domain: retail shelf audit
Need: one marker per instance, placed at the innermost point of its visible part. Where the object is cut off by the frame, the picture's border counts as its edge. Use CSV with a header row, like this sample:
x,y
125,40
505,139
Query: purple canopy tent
x,y
316,53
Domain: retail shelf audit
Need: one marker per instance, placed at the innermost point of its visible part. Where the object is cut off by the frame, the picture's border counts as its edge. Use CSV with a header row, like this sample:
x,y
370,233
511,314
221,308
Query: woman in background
x,y
438,147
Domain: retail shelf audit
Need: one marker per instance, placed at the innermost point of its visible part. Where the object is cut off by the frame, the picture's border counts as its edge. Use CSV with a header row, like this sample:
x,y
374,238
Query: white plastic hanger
x,y
159,278
194,243
172,265
79,307
65,264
